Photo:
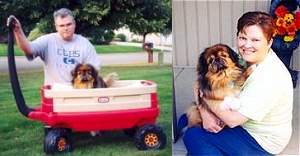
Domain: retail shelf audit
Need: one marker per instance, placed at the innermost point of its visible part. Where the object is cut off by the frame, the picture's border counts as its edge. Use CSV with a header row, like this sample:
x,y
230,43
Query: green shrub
x,y
136,40
117,39
122,37
34,34
100,36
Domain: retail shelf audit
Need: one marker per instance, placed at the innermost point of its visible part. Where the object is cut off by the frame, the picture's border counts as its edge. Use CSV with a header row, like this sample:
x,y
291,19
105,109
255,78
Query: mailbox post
x,y
148,46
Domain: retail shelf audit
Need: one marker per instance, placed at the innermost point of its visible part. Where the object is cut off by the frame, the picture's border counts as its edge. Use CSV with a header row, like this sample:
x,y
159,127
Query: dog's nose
x,y
218,60
219,64
85,77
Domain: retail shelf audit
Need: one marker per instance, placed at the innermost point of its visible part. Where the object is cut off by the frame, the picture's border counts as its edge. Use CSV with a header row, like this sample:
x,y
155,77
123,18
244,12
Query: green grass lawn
x,y
99,48
117,49
22,136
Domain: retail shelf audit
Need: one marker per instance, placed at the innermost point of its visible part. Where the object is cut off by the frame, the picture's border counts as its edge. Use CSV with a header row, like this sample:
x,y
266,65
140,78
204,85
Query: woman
x,y
262,125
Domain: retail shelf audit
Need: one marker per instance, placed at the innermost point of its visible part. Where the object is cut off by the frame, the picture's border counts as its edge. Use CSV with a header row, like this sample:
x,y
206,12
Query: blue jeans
x,y
228,142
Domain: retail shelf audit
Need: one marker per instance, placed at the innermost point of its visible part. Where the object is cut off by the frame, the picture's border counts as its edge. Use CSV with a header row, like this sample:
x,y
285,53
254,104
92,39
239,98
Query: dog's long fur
x,y
219,75
86,76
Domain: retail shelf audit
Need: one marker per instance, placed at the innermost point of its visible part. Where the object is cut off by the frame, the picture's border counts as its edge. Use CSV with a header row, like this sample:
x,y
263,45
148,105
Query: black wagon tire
x,y
58,140
47,129
150,137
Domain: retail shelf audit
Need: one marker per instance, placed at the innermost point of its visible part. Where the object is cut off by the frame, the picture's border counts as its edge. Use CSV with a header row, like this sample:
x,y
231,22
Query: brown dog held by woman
x,y
86,76
220,77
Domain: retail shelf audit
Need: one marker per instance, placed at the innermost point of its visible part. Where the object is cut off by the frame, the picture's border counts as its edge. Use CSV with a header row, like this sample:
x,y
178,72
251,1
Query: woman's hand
x,y
211,122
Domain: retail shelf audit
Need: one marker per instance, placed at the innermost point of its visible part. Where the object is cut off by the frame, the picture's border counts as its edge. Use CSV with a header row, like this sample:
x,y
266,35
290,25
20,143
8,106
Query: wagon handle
x,y
23,108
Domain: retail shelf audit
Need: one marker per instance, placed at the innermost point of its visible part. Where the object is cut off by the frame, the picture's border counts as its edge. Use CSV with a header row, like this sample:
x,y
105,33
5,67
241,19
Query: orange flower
x,y
286,24
280,22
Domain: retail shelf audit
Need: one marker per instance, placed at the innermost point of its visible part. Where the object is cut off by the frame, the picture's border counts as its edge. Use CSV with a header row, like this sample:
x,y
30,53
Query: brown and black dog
x,y
86,76
220,77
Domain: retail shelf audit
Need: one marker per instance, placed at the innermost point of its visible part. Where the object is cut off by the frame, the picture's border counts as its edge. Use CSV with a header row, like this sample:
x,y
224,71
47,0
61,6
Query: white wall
x,y
155,38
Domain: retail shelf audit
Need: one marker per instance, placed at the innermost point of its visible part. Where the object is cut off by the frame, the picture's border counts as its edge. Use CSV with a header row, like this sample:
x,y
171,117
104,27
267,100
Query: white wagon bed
x,y
123,95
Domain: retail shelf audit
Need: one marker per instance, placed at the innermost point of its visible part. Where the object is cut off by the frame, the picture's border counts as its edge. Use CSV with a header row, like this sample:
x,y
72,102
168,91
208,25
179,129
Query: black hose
x,y
23,108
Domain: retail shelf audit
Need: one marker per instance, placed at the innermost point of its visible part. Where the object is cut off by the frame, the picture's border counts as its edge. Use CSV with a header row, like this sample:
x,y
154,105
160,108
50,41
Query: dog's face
x,y
84,76
216,63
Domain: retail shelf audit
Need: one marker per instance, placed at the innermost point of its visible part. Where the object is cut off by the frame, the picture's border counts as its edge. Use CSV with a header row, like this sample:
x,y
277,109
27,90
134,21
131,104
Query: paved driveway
x,y
105,59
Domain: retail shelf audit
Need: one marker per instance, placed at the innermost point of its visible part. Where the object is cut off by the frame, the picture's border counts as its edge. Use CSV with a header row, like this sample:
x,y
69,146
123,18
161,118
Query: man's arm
x,y
21,39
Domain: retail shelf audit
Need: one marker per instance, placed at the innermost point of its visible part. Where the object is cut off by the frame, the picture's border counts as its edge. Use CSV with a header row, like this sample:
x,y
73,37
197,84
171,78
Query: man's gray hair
x,y
62,13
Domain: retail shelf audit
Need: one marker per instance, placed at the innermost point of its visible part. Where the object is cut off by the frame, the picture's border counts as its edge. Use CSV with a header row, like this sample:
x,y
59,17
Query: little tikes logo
x,y
69,60
103,99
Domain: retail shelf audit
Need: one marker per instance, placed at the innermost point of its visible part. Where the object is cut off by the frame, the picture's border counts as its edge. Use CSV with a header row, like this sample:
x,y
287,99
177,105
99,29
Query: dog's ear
x,y
94,75
234,56
94,71
202,63
202,69
74,70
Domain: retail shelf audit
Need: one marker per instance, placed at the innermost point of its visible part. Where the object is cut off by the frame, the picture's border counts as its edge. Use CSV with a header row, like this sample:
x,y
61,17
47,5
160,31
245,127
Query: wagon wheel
x,y
47,129
58,141
150,137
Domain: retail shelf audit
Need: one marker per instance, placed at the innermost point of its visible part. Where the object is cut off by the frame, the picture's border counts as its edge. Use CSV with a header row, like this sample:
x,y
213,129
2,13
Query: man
x,y
60,51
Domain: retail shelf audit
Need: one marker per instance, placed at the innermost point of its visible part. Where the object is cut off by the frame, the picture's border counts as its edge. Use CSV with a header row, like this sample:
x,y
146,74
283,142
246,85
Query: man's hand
x,y
21,39
16,23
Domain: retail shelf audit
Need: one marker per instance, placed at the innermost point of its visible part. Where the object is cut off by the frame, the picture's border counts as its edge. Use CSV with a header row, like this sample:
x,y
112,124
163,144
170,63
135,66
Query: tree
x,y
168,29
153,16
90,16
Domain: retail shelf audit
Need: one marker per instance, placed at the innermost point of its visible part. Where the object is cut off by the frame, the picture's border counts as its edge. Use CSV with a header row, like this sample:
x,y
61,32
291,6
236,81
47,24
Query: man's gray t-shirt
x,y
60,56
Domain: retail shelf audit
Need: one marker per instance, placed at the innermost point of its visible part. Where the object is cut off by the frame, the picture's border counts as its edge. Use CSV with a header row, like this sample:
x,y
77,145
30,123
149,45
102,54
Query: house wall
x,y
199,24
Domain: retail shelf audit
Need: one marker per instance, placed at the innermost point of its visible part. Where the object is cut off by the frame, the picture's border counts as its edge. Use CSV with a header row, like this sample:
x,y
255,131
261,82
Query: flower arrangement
x,y
286,37
287,24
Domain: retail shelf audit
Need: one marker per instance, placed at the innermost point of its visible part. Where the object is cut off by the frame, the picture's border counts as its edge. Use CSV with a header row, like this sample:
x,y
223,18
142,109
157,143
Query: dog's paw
x,y
230,103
